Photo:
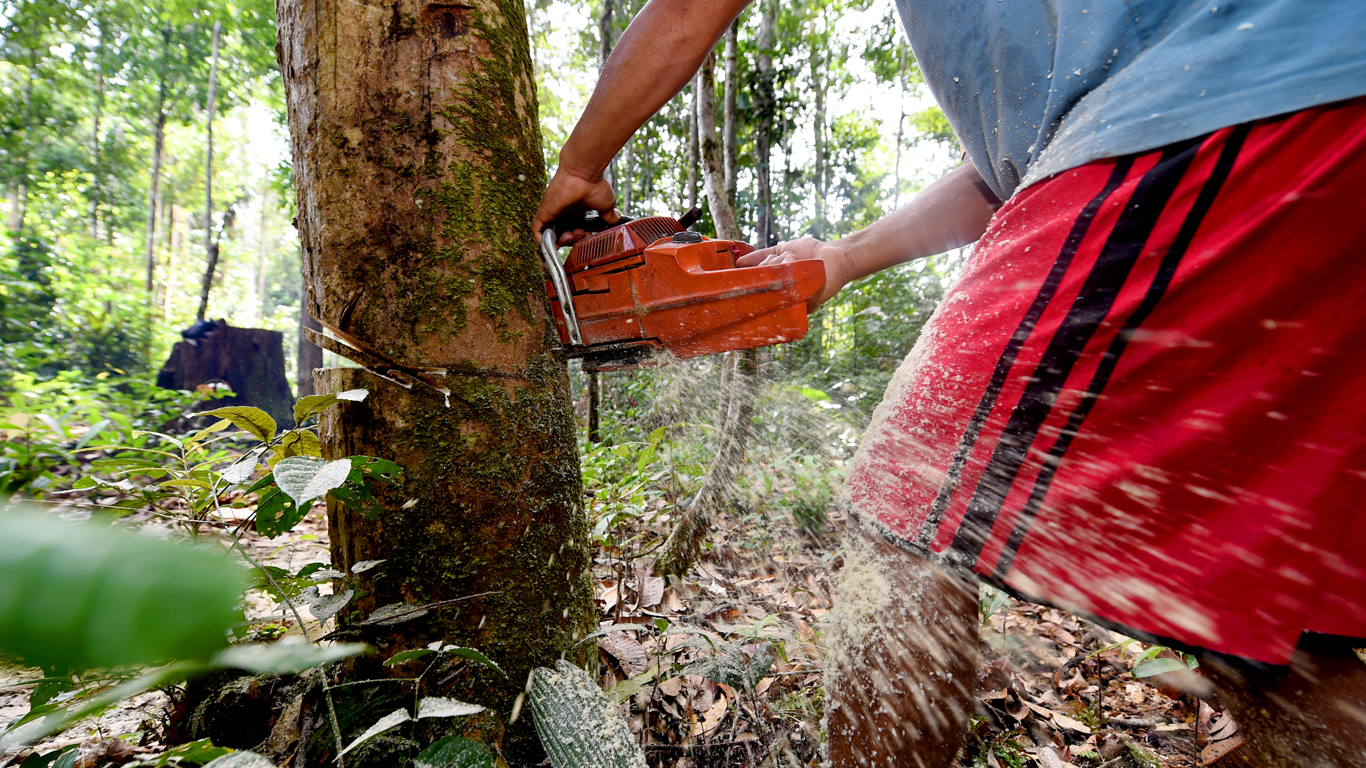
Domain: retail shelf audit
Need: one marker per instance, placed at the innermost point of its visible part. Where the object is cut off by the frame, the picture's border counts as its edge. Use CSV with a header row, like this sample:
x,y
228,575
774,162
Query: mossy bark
x,y
418,167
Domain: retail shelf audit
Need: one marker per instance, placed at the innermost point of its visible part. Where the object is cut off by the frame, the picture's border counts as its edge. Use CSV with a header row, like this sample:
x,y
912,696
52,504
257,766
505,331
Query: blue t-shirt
x,y
1034,87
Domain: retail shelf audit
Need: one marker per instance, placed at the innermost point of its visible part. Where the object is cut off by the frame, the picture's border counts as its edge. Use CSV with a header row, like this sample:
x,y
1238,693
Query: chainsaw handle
x,y
550,254
568,222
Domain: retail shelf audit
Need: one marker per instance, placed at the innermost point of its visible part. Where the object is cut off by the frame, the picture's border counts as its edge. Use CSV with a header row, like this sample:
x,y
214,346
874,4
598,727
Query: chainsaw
x,y
644,292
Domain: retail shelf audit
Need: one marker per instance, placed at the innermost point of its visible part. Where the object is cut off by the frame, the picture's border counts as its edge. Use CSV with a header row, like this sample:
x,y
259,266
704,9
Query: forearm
x,y
658,54
950,213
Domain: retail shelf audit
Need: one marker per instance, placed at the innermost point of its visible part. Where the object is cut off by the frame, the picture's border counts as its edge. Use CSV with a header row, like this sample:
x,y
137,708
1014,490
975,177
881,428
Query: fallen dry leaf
x,y
712,717
627,651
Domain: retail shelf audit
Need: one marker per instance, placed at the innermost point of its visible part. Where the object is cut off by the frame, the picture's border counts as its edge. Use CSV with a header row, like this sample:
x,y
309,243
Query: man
x,y
1145,400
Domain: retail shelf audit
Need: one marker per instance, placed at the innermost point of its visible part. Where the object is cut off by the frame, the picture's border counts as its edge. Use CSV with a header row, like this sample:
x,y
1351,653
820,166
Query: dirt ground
x,y
1055,690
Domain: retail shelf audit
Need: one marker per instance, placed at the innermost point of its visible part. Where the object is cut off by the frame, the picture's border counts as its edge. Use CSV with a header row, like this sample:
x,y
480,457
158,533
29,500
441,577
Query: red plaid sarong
x,y
1145,400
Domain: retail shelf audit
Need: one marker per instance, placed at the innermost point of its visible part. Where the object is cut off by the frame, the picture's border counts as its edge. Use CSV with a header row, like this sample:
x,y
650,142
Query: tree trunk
x,y
593,416
19,213
900,122
728,118
96,191
605,34
713,174
418,168
158,146
210,245
261,249
763,132
818,129
606,27
249,360
738,371
693,149
310,355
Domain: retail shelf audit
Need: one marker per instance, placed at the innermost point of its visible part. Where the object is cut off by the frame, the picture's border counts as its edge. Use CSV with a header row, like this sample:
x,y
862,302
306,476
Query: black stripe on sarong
x,y
930,527
1161,281
1093,303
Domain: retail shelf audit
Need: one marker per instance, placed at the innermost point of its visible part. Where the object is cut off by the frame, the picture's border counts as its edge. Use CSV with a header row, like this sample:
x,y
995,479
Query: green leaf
x,y
578,724
80,597
311,404
241,759
217,426
30,732
631,686
276,513
1158,667
196,752
380,470
284,658
475,656
811,393
305,478
248,419
43,760
307,406
455,752
436,706
392,720
356,492
267,481
403,657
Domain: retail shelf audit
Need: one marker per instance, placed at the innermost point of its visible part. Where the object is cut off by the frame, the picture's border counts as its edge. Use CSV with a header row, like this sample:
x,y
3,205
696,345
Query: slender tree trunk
x,y
96,191
900,122
738,371
729,119
693,150
818,129
763,131
172,240
153,189
261,250
593,435
19,212
606,39
418,168
210,245
606,36
713,174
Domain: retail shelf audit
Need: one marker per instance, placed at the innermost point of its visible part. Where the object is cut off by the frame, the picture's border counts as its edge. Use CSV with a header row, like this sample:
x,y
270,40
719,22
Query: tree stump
x,y
251,361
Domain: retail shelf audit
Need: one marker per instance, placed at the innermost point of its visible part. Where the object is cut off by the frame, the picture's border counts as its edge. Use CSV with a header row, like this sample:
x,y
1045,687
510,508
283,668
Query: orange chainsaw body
x,y
650,286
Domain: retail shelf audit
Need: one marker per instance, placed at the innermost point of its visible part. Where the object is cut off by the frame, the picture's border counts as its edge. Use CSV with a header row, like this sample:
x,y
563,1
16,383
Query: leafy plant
x,y
78,597
1151,662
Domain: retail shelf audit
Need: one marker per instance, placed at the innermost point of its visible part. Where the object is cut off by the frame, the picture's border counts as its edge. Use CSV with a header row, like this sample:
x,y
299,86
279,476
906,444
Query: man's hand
x,y
839,269
573,193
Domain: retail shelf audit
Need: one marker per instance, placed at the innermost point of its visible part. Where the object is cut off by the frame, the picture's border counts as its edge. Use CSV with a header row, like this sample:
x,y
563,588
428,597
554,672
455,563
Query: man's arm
x,y
657,55
950,213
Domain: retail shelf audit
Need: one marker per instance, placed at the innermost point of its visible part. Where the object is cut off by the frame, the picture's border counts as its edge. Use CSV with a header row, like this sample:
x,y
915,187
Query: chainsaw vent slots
x,y
618,243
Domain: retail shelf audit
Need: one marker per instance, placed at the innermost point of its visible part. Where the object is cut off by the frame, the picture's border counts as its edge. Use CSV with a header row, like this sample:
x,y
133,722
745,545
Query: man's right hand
x,y
839,269
569,192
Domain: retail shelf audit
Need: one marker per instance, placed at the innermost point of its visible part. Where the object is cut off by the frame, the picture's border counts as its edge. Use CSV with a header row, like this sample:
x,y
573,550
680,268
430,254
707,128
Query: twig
x,y
416,608
1129,723
327,690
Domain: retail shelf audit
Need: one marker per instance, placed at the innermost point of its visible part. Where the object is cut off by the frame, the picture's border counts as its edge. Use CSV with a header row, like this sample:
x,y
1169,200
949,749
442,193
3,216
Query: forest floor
x,y
1050,692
